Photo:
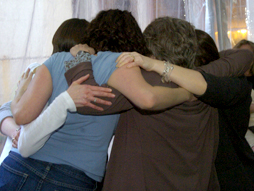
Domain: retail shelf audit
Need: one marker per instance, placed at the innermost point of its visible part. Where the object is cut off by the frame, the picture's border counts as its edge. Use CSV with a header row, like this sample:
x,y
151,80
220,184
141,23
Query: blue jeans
x,y
18,173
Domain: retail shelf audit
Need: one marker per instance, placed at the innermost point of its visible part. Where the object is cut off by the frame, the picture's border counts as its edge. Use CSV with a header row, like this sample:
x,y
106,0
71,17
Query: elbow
x,y
21,147
23,152
17,116
19,119
148,102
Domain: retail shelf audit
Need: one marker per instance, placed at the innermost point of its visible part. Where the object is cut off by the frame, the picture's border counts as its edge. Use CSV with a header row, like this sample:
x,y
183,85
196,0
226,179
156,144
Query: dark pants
x,y
18,173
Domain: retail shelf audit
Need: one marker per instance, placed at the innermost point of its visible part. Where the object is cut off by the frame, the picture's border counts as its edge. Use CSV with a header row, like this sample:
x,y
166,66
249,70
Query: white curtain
x,y
250,19
27,26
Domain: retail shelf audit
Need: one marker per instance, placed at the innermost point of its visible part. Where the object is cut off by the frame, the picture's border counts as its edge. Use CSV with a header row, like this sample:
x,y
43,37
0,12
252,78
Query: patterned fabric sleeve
x,y
80,57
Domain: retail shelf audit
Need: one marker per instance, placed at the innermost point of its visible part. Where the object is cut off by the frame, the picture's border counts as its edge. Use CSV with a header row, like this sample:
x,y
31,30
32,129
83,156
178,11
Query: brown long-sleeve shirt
x,y
172,149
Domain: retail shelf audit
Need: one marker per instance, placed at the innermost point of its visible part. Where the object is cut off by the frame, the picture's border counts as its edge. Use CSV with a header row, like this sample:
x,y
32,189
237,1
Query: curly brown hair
x,y
117,31
172,39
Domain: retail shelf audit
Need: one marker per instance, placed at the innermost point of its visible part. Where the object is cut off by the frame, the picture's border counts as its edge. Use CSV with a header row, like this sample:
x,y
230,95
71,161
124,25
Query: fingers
x,y
88,49
89,102
26,73
95,107
100,101
84,95
30,76
81,47
91,91
94,97
92,94
82,79
121,56
88,95
101,91
93,100
15,139
126,58
26,78
15,143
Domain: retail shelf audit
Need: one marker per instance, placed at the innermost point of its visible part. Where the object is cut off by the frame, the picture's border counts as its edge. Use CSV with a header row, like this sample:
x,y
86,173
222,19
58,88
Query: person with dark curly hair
x,y
115,31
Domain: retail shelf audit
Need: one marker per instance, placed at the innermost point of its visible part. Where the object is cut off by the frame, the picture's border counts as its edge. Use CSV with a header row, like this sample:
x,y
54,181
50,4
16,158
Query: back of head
x,y
69,33
207,50
245,44
172,39
116,31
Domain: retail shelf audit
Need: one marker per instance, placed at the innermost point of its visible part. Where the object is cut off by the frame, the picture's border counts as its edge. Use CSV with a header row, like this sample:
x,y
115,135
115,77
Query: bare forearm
x,y
191,80
169,97
131,83
8,127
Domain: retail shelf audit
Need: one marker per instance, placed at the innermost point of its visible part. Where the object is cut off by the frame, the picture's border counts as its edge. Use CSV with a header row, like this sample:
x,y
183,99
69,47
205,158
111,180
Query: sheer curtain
x,y
28,26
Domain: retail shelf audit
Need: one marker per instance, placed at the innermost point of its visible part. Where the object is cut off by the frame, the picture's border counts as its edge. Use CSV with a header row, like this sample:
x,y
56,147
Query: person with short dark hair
x,y
68,34
59,175
207,50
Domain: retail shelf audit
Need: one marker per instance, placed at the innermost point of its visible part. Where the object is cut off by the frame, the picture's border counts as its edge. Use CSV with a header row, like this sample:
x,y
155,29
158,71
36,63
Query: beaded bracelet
x,y
167,71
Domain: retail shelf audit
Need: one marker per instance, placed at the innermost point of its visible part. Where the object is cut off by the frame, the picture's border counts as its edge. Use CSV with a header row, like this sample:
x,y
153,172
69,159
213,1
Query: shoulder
x,y
62,56
58,59
59,56
106,56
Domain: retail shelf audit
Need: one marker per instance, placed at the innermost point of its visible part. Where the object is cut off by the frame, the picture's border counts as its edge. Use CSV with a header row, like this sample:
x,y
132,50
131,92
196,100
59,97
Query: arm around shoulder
x,y
232,62
130,82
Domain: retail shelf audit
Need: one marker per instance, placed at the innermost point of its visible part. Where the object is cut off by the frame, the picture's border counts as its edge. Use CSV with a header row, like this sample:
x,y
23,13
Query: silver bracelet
x,y
167,71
